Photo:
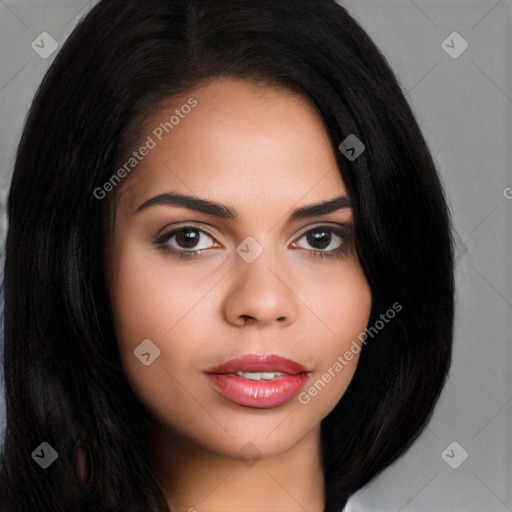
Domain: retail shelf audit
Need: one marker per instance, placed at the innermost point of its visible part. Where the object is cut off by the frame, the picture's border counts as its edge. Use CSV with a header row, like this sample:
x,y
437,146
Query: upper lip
x,y
259,363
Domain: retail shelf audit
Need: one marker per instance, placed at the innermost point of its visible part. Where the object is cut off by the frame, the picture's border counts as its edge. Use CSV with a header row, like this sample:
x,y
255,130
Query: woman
x,y
228,279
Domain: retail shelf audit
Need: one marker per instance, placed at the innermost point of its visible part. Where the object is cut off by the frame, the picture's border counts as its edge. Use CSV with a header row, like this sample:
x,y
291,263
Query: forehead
x,y
240,140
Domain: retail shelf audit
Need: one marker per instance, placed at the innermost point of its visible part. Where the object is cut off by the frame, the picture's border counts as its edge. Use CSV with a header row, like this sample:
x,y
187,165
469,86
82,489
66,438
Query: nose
x,y
261,293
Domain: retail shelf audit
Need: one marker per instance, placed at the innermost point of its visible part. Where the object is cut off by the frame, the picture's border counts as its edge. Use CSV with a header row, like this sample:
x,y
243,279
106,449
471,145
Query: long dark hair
x,y
63,374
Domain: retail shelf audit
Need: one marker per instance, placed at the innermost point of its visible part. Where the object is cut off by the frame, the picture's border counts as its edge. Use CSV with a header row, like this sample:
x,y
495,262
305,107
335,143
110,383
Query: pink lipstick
x,y
255,380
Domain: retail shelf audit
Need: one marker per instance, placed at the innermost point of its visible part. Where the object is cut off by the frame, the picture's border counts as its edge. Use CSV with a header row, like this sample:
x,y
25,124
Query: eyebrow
x,y
228,212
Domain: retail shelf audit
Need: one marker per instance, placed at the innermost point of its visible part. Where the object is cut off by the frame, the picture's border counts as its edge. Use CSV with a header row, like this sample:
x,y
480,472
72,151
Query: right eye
x,y
186,240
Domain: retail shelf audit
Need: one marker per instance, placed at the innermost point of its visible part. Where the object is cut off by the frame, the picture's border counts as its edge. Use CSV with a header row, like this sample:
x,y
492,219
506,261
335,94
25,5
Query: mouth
x,y
261,381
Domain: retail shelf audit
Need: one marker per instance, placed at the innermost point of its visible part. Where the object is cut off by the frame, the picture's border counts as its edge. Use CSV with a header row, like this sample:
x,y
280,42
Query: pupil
x,y
317,236
187,238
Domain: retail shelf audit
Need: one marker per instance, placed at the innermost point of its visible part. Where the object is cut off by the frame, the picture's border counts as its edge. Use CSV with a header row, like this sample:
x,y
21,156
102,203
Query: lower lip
x,y
257,393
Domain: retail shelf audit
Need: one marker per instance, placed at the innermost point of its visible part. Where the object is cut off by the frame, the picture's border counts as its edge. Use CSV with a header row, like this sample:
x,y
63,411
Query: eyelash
x,y
341,252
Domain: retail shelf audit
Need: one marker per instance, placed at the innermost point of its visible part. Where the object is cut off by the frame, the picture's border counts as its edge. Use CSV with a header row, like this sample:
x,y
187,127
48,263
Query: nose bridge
x,y
259,290
257,265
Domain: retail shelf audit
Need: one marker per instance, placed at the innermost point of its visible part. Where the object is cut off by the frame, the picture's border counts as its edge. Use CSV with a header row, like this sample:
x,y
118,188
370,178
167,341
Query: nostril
x,y
246,317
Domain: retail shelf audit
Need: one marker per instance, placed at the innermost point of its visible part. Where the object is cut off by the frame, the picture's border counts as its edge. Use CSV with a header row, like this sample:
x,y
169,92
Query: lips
x,y
259,363
255,380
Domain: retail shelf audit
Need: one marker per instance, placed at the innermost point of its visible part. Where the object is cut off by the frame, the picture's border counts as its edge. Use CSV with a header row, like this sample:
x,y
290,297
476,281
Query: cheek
x,y
345,310
343,306
150,296
152,302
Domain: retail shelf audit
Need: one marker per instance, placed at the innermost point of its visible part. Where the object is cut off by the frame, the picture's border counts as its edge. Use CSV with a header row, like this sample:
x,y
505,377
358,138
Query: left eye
x,y
325,239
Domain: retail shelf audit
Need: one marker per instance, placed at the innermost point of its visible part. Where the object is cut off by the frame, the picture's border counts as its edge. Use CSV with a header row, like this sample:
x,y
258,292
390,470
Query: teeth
x,y
260,375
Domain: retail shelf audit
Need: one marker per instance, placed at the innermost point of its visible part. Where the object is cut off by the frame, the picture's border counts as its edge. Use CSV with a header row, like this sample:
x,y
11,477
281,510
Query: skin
x,y
265,152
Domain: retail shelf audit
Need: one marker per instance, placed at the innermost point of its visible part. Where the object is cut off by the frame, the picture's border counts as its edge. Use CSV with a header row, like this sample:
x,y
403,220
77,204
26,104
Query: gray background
x,y
464,107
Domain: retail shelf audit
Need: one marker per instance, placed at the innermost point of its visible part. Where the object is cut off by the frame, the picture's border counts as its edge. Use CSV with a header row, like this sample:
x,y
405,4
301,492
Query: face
x,y
233,319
